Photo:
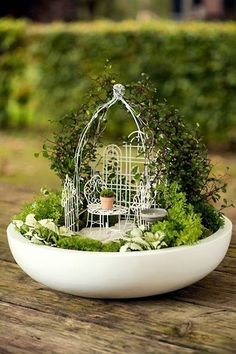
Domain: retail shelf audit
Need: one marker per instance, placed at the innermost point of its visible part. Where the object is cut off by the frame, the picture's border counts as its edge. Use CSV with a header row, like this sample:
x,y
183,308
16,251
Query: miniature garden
x,y
153,189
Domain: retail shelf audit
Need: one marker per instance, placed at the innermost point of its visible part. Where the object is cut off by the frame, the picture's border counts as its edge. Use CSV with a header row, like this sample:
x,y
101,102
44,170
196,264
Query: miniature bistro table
x,y
117,210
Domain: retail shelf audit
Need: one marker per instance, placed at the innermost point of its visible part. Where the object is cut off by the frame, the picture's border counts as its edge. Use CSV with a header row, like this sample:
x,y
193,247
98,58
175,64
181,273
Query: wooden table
x,y
34,319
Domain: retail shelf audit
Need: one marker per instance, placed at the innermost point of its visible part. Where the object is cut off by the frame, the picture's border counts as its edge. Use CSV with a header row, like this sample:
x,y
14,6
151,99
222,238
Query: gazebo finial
x,y
118,91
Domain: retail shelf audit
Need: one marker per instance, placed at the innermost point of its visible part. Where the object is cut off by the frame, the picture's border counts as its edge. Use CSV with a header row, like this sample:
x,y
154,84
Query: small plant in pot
x,y
107,199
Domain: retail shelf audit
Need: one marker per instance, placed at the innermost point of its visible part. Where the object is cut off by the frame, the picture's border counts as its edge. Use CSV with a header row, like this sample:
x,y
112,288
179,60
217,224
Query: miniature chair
x,y
92,190
142,200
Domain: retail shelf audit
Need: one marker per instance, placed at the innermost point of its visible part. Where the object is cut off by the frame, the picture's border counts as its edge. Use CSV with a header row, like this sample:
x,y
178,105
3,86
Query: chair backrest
x,y
143,199
93,188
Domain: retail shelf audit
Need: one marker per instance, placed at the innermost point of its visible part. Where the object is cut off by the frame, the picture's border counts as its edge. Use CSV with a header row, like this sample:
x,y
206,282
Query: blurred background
x,y
49,48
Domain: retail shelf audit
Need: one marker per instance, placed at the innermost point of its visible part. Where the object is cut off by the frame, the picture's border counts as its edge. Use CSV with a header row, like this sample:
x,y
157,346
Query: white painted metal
x,y
69,203
120,167
143,199
92,190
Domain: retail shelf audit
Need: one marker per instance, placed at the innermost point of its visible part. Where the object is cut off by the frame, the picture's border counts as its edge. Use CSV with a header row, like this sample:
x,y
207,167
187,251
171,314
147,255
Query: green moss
x,y
83,243
112,246
79,243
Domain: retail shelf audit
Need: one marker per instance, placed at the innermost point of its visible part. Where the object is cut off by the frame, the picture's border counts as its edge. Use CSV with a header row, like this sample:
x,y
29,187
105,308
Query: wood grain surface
x,y
34,319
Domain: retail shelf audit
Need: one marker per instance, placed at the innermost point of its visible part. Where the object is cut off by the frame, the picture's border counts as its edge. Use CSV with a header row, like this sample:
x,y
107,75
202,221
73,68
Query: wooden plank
x,y
160,319
10,204
228,264
233,240
5,253
216,290
15,196
232,251
36,332
11,201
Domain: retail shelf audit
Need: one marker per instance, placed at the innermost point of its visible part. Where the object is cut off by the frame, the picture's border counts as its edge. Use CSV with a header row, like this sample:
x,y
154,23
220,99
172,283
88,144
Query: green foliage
x,y
61,149
41,236
212,219
45,206
49,237
61,152
140,239
46,232
192,65
182,226
169,196
42,232
107,193
177,152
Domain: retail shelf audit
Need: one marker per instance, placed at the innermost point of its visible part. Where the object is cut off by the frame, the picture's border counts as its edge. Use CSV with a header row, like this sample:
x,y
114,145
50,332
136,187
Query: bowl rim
x,y
220,233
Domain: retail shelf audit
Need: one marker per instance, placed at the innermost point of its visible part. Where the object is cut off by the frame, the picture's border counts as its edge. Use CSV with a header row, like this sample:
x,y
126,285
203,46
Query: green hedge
x,y
44,68
12,67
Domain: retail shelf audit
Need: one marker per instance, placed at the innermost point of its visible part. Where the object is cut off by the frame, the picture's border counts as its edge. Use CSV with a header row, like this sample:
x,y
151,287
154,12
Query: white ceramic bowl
x,y
119,275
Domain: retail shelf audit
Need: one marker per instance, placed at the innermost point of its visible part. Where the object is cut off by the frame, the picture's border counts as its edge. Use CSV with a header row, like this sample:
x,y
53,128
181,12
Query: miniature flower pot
x,y
107,203
119,275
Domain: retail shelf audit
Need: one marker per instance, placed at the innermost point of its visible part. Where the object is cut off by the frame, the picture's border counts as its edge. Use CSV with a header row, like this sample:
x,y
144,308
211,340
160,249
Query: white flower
x,y
140,241
36,241
148,234
29,233
30,220
159,235
18,223
130,246
135,243
136,232
49,224
142,228
158,244
64,231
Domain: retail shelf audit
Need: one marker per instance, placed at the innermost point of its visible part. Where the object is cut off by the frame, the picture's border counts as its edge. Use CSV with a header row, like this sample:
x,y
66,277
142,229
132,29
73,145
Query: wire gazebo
x,y
119,168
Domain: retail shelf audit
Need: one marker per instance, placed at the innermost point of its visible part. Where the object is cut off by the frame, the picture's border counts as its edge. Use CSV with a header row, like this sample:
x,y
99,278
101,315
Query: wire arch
x,y
118,95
